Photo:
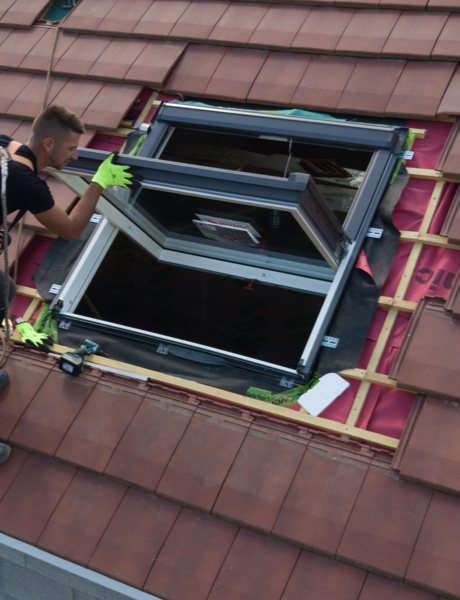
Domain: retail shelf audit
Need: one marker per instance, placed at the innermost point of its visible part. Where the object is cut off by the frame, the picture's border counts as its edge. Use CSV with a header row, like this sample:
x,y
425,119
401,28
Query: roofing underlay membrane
x,y
386,410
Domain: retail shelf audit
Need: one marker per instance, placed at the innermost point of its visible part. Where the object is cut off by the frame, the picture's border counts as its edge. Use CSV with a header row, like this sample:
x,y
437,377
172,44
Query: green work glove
x,y
31,339
110,174
46,324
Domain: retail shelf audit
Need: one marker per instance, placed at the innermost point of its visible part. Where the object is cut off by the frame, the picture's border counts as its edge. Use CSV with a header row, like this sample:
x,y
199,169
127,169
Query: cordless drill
x,y
72,362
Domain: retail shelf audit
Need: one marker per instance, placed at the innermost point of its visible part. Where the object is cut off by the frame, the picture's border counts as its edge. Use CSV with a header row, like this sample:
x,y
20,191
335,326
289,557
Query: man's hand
x,y
31,339
110,174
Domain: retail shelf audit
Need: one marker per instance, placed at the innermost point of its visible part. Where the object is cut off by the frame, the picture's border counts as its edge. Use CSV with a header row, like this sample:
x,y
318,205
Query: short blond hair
x,y
56,122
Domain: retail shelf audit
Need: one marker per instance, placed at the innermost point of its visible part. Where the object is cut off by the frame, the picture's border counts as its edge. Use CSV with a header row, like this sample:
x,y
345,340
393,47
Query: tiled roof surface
x,y
109,472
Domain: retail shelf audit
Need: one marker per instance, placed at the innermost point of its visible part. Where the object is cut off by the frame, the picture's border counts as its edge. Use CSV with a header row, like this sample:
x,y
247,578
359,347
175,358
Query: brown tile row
x,y
21,13
427,361
340,499
100,105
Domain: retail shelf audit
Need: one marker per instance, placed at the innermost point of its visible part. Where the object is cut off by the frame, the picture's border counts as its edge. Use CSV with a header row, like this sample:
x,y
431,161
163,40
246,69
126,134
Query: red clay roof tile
x,y
39,57
201,461
99,426
279,78
238,23
17,46
45,421
436,556
248,496
81,55
198,20
430,455
194,69
279,26
453,301
23,13
78,94
323,82
449,103
447,46
367,32
370,86
123,17
443,5
117,58
404,4
317,576
320,499
86,16
379,588
111,105
160,18
191,557
11,469
9,126
451,227
81,517
22,134
419,89
21,514
256,566
4,6
322,29
155,62
134,537
427,360
229,80
29,102
384,523
150,440
415,34
4,33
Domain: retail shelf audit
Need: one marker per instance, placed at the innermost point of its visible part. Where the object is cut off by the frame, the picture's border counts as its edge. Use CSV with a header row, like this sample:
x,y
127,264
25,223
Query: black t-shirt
x,y
24,189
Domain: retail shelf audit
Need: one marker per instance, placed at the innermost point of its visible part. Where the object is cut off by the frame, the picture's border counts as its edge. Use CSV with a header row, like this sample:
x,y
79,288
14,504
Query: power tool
x,y
72,362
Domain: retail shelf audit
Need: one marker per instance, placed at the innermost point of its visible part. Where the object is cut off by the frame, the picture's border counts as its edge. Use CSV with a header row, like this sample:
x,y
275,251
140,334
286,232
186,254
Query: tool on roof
x,y
72,362
31,338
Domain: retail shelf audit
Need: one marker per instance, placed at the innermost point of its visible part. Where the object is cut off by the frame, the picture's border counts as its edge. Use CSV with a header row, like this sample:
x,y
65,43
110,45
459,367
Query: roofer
x,y
53,143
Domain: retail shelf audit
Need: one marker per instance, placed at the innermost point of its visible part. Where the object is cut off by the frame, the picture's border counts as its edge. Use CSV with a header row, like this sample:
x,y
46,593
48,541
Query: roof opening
x,y
59,9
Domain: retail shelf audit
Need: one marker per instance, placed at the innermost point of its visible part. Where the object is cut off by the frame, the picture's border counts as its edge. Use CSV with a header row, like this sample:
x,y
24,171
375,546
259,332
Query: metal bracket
x,y
65,324
374,232
95,218
55,288
407,155
330,342
287,382
163,349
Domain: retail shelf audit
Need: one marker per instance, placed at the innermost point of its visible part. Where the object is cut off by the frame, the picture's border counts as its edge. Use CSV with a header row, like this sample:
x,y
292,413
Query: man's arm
x,y
70,227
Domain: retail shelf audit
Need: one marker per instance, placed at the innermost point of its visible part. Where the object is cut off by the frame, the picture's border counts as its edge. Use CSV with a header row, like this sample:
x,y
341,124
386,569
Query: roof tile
x,y
419,89
78,94
134,537
117,58
4,6
431,454
17,46
322,29
317,576
4,33
238,23
453,301
415,34
323,82
111,105
194,69
404,4
29,102
23,13
451,227
191,557
279,26
81,517
256,566
96,431
443,5
123,17
320,499
198,19
150,440
367,32
9,126
155,62
51,412
448,45
39,57
279,78
160,18
370,86
11,469
86,16
25,379
21,515
81,55
229,80
260,477
427,360
384,524
22,134
449,103
380,588
436,557
203,458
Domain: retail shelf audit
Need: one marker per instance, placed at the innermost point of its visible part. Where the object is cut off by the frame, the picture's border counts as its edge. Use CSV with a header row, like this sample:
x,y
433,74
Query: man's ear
x,y
48,144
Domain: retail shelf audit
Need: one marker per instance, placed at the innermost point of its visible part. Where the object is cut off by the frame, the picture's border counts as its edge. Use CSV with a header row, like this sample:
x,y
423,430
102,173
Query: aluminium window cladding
x,y
240,194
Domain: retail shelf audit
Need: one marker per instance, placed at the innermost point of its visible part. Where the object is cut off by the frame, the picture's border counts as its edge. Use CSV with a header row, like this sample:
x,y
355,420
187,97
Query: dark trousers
x,y
12,291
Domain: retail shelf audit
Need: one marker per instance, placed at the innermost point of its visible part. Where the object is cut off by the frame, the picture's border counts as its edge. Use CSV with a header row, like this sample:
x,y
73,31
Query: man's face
x,y
63,153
